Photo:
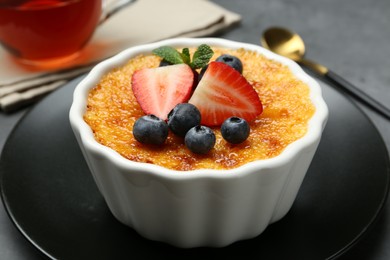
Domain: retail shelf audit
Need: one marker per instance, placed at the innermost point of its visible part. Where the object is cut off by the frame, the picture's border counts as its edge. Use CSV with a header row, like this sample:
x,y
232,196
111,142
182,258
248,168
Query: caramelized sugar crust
x,y
112,110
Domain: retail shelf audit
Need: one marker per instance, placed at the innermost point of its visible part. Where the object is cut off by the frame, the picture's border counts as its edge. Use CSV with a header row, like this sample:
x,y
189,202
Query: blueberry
x,y
232,61
182,118
235,130
196,79
200,139
150,129
164,63
202,71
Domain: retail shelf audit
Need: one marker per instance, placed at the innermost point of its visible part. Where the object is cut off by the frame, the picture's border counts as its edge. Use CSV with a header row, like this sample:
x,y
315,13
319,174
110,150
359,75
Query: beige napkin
x,y
141,22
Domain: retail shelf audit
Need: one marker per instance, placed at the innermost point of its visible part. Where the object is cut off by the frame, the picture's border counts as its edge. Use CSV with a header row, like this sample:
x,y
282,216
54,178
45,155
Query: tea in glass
x,y
40,31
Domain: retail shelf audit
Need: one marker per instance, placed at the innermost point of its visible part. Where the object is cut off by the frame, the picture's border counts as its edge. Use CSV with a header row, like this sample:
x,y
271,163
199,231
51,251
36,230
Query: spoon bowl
x,y
289,44
284,42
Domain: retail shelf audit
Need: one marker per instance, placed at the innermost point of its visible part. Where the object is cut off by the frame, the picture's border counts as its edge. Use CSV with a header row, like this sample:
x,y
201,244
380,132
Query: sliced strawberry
x,y
159,90
223,92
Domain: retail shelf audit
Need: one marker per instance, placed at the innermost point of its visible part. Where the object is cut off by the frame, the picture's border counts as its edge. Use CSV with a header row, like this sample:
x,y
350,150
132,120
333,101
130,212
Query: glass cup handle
x,y
110,7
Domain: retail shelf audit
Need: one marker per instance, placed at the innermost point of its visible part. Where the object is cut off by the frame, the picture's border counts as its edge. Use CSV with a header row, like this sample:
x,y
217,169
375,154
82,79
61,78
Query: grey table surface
x,y
351,37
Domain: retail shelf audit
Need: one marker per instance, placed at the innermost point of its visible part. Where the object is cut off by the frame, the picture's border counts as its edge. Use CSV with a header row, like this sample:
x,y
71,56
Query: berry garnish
x,y
202,71
182,118
150,129
200,58
223,92
235,130
232,61
164,63
200,139
196,79
159,90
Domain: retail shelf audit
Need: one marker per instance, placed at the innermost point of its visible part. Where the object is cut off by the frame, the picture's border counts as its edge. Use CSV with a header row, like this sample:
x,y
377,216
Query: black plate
x,y
51,197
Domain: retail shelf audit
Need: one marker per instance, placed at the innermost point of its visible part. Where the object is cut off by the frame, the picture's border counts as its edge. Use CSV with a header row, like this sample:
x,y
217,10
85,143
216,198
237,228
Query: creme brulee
x,y
112,110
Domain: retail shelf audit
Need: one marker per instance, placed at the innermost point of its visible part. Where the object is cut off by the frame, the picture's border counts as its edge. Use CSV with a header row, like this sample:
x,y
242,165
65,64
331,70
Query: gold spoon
x,y
291,45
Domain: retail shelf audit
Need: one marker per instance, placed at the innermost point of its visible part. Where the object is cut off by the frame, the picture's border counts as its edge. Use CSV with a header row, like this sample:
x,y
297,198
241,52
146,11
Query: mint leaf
x,y
169,54
201,56
185,54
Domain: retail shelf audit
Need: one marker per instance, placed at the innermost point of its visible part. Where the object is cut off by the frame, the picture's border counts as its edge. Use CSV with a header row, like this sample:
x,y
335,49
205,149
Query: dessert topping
x,y
202,71
150,129
232,61
222,97
182,118
159,90
235,130
200,139
223,92
200,58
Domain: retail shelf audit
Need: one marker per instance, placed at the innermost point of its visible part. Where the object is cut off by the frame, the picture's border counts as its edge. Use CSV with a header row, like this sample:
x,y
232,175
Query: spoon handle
x,y
357,93
346,86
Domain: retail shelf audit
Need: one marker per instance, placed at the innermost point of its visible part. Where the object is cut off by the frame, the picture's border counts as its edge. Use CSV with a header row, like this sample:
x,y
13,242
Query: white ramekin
x,y
202,207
